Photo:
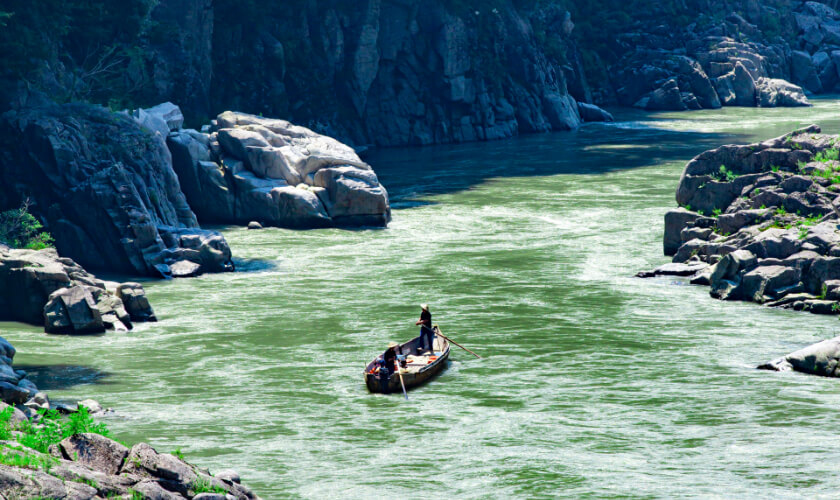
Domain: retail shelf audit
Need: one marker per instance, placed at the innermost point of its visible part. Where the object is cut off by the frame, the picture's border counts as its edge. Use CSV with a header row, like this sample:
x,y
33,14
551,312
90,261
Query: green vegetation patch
x,y
724,174
51,429
20,229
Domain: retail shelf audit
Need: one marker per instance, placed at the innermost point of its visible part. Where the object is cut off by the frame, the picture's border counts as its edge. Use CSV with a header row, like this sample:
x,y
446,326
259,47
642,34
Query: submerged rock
x,y
675,269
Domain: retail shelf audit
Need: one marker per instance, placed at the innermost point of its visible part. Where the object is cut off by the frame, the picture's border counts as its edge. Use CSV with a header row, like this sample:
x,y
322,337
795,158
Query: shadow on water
x,y
253,265
410,173
59,377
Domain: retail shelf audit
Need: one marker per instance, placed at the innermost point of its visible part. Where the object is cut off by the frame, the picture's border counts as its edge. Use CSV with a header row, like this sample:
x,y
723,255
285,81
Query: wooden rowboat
x,y
420,366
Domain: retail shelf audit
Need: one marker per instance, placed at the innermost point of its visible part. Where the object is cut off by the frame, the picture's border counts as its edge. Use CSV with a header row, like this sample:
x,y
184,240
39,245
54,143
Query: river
x,y
593,383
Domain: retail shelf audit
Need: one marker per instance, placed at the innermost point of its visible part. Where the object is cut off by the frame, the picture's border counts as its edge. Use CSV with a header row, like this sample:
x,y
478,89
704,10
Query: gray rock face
x,y
408,72
774,236
103,184
39,287
95,451
15,388
276,173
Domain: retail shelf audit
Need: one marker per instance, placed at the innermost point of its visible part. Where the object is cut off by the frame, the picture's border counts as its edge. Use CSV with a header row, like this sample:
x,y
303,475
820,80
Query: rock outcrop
x,y
254,169
704,71
822,358
39,287
764,217
90,466
104,186
15,388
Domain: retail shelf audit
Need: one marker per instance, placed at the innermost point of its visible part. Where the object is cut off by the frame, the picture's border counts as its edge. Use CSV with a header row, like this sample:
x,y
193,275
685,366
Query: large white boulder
x,y
277,173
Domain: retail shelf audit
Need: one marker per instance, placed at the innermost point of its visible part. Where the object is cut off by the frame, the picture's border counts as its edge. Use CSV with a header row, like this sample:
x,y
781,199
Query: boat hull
x,y
411,378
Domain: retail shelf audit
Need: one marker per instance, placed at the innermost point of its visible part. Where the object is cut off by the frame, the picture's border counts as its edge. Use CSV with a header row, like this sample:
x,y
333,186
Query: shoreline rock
x,y
92,466
764,219
39,287
822,358
104,187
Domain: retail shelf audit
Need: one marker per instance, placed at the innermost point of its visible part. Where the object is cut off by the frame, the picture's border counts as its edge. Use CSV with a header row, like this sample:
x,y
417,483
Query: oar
x,y
399,370
456,343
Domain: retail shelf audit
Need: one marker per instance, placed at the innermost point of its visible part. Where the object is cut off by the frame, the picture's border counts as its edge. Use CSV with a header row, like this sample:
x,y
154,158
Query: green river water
x,y
593,383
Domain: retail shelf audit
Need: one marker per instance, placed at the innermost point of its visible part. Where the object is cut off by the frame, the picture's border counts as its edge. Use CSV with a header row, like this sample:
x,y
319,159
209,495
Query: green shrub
x,y
204,486
828,155
52,428
20,229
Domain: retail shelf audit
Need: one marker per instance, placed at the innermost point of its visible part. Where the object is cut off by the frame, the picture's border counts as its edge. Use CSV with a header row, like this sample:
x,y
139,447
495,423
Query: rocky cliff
x,y
105,188
733,54
392,72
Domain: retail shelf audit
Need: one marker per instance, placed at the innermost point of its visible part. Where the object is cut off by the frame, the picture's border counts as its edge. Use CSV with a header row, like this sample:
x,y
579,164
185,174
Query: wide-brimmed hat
x,y
392,344
424,307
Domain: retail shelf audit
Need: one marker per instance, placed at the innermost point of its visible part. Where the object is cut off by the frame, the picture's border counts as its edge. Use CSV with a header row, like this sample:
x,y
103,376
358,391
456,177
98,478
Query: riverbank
x,y
57,450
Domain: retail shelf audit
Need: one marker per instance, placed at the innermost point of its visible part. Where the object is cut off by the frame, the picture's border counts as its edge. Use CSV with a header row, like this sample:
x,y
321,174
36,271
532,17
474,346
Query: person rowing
x,y
427,335
387,366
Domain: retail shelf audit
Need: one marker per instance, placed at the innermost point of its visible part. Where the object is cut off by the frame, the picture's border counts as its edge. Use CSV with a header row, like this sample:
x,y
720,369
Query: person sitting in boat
x,y
427,335
387,366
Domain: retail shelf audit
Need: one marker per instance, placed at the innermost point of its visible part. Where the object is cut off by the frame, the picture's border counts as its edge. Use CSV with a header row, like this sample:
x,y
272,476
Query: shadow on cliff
x,y
58,377
412,173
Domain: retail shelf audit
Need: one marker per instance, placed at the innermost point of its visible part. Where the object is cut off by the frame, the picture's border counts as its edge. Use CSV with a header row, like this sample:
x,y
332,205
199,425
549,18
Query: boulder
x,y
775,92
732,222
152,490
95,451
17,416
280,174
25,483
92,406
144,461
184,269
136,304
675,221
666,98
169,113
768,281
254,225
822,358
700,84
804,72
675,269
731,265
14,394
593,113
229,476
107,485
743,86
39,401
202,179
72,310
561,111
